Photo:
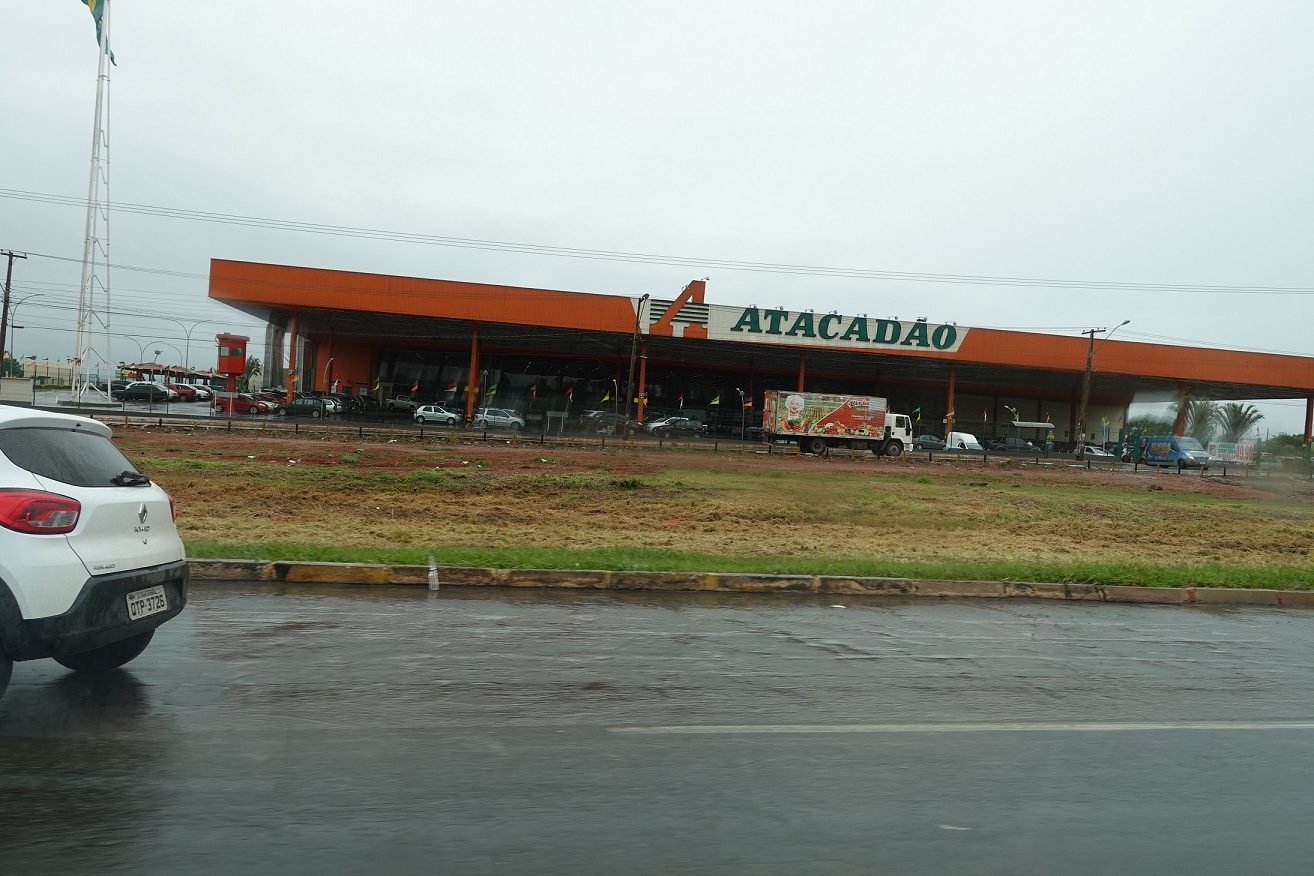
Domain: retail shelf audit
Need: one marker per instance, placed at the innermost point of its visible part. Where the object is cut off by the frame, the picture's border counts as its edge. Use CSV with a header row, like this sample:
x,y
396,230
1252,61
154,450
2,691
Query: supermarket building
x,y
550,354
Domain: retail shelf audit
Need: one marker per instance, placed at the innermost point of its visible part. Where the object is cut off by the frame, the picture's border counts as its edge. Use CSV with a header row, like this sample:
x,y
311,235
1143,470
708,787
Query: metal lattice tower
x,y
92,356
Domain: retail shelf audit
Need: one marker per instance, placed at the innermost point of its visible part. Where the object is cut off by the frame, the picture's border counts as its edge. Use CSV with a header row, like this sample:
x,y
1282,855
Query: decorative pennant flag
x,y
293,377
1105,420
415,388
748,404
681,401
985,416
715,401
951,413
918,412
378,381
1016,416
606,397
1046,418
97,9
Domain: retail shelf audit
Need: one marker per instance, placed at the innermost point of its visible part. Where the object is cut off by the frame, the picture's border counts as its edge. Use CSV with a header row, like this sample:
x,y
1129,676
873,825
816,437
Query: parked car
x,y
90,560
438,414
351,404
1181,451
497,418
1011,444
203,393
678,427
928,442
962,441
186,392
1097,452
144,390
401,403
302,407
607,423
242,402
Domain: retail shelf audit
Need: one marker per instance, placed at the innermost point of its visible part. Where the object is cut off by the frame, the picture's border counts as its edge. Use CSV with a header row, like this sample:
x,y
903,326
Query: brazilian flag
x,y
715,401
97,8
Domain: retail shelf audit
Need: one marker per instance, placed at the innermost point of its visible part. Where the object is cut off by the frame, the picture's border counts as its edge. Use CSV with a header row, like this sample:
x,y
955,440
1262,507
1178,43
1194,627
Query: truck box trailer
x,y
819,420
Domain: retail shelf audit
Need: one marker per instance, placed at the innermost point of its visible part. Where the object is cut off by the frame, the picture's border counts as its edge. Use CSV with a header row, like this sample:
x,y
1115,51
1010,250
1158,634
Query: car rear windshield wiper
x,y
130,479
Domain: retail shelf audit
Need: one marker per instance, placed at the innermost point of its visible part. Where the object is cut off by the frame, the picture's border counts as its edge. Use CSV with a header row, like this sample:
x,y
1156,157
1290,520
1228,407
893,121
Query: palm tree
x,y
1235,420
1201,418
252,371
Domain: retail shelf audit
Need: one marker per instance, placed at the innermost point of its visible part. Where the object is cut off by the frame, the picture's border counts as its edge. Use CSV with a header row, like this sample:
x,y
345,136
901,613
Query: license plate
x,y
144,603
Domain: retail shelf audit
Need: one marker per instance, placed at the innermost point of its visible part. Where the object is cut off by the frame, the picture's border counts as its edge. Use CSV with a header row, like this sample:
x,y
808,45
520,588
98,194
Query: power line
x,y
639,258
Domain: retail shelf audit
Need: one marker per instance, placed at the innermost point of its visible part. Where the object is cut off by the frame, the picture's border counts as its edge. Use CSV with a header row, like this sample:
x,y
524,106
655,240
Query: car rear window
x,y
69,456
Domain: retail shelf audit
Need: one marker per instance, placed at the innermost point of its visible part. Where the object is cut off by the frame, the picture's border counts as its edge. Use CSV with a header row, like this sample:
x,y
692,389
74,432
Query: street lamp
x,y
1091,350
743,406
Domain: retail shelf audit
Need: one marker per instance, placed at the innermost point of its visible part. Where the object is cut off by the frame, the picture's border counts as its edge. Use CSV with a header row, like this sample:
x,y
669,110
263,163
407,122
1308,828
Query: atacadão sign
x,y
805,328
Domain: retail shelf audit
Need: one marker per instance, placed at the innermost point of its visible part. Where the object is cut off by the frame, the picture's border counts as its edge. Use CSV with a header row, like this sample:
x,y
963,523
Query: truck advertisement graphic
x,y
814,413
818,420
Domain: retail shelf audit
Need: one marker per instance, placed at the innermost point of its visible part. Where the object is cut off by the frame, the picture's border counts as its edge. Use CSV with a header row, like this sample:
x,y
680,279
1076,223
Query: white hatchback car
x,y
437,414
497,418
90,559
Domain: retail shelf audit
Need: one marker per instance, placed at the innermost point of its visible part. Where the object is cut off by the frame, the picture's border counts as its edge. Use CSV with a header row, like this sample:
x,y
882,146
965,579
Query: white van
x,y
962,441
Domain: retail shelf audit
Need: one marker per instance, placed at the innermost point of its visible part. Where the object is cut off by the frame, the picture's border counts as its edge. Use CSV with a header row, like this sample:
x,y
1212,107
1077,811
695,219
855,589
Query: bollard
x,y
296,428
326,430
513,439
1088,465
360,432
687,446
851,454
572,440
262,426
392,432
1111,466
741,449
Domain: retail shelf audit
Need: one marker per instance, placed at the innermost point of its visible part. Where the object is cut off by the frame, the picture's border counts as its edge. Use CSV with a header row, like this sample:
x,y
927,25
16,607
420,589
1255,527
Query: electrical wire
x,y
634,257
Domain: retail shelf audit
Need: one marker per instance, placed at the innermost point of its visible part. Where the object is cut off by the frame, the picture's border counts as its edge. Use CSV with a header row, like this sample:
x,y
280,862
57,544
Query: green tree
x,y
252,372
1236,420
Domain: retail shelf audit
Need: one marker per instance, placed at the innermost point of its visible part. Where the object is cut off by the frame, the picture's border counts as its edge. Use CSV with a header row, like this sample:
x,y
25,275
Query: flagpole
x,y
95,246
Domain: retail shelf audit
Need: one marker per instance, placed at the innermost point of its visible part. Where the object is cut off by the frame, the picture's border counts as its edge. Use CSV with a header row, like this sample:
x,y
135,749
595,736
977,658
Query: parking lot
x,y
391,729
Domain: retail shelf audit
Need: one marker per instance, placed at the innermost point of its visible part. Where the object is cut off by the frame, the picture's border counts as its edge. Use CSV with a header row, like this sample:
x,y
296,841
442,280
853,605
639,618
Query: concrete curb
x,y
601,579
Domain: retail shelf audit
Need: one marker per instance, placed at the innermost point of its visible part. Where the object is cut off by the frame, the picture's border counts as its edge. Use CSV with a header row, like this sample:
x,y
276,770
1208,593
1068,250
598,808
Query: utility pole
x,y
4,306
1091,350
634,352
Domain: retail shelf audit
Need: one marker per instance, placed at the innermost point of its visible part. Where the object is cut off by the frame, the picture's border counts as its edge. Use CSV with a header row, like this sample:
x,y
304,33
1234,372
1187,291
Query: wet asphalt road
x,y
336,730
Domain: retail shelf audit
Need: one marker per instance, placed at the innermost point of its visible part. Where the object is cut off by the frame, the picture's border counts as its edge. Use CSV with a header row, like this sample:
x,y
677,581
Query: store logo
x,y
856,329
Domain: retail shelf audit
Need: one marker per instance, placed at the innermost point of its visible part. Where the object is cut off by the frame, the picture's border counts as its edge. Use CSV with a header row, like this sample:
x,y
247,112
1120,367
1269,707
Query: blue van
x,y
1182,452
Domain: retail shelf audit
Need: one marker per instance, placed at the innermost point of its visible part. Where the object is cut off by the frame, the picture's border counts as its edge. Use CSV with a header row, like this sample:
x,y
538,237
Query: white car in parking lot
x,y
437,414
496,418
90,559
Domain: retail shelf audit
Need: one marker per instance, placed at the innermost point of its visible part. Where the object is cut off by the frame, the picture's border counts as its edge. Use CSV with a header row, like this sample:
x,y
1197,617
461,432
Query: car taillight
x,y
38,513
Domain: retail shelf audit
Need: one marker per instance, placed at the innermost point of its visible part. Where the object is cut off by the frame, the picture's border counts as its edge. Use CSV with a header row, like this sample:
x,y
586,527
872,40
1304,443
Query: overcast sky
x,y
1164,143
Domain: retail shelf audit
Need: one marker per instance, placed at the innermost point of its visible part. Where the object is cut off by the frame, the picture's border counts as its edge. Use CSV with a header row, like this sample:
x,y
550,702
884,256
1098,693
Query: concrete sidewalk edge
x,y
296,572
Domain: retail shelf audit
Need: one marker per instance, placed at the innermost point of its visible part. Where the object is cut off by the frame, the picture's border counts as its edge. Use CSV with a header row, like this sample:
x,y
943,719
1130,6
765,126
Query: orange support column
x,y
643,377
473,382
949,404
292,357
802,366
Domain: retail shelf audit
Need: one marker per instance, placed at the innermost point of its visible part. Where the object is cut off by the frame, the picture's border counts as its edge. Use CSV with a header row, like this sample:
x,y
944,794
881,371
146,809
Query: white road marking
x,y
1065,727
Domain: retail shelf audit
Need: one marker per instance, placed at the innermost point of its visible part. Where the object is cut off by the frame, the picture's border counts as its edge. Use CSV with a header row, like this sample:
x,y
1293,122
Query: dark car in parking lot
x,y
144,391
928,442
678,427
302,407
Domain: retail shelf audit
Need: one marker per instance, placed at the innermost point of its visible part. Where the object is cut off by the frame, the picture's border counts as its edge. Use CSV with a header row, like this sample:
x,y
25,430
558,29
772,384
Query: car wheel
x,y
451,421
815,446
515,427
316,414
420,420
111,656
282,412
254,409
893,450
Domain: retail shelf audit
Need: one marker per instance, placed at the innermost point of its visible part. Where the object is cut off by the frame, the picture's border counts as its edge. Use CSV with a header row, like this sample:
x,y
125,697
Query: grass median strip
x,y
253,497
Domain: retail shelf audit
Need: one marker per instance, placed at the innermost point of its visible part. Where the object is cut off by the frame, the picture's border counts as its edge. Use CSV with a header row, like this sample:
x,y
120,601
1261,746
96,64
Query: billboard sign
x,y
1240,453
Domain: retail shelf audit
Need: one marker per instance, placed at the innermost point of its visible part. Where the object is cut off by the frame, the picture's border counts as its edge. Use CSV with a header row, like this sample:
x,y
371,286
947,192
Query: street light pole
x,y
743,406
1091,350
4,305
634,352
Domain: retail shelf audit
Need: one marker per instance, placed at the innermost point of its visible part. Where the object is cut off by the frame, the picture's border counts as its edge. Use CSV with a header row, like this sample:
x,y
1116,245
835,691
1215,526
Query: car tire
x,y
515,427
893,450
420,420
108,657
281,412
451,421
316,414
815,446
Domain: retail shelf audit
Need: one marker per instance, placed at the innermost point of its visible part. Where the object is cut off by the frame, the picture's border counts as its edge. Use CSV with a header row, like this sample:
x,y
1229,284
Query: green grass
x,y
629,559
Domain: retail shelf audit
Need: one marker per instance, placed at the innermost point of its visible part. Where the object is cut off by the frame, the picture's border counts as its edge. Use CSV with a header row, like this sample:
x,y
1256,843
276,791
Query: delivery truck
x,y
819,420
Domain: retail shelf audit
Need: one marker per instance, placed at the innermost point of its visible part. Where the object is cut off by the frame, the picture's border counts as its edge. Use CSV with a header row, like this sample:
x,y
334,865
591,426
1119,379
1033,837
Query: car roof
x,y
24,418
